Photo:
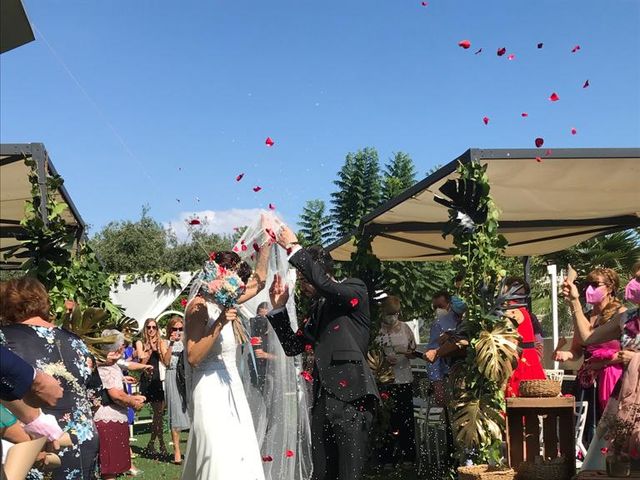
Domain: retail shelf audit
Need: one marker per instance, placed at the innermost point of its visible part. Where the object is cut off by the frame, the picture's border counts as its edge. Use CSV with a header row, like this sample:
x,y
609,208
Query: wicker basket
x,y
540,388
556,469
485,472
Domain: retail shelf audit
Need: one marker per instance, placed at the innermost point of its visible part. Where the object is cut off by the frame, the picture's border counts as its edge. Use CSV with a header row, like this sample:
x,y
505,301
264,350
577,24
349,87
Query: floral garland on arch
x,y
492,351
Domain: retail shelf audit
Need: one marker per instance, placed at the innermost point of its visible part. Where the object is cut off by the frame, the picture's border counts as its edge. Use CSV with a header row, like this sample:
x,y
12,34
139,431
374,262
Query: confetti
x,y
212,256
554,97
511,56
343,383
257,188
485,120
575,49
501,51
538,159
308,348
272,206
540,45
604,450
574,130
539,142
424,4
354,302
244,247
183,302
524,114
267,458
194,221
239,177
586,84
255,341
336,327
289,453
299,333
464,44
307,376
256,247
547,153
269,142
384,396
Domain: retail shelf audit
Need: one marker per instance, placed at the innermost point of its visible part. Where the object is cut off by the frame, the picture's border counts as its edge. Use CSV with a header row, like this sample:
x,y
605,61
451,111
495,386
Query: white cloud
x,y
220,222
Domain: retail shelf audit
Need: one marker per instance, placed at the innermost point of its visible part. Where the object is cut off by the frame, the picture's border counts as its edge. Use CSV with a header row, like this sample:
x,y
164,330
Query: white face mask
x,y
441,312
390,319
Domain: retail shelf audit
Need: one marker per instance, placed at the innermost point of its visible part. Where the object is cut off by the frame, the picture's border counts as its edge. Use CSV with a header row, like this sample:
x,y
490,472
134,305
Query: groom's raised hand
x,y
279,292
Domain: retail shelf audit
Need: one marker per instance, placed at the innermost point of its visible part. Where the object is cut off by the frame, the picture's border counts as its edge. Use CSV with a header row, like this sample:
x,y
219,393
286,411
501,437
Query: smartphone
x,y
418,354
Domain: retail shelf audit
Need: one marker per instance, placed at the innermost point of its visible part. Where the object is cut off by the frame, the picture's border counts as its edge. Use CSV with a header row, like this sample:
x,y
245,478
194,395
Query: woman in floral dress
x,y
27,331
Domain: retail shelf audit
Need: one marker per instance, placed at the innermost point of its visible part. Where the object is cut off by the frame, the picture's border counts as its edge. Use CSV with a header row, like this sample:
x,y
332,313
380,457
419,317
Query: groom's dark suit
x,y
344,388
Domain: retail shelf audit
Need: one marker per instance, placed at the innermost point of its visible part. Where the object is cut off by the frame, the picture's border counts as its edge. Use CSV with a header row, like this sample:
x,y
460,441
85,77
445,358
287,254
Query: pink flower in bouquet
x,y
215,285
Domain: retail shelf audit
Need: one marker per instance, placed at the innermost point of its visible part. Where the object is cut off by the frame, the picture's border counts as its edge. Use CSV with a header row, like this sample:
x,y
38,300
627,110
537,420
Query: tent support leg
x,y
526,266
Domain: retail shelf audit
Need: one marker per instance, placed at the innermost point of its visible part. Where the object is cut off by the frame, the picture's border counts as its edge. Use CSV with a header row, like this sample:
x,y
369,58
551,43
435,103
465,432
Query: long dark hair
x,y
232,261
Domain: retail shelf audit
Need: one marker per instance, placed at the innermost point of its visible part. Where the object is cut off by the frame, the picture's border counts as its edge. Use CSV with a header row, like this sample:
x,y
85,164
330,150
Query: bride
x,y
237,431
222,441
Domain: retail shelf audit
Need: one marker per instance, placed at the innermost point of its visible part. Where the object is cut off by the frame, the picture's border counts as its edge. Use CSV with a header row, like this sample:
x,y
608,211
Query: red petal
x,y
479,51
272,206
267,458
257,189
256,247
354,302
336,327
540,45
244,247
424,4
464,44
183,302
524,114
554,97
269,142
299,333
485,120
289,453
539,142
511,56
538,159
255,341
212,256
575,49
574,131
343,383
194,221
307,376
308,348
239,177
501,51
235,248
384,396
586,84
548,152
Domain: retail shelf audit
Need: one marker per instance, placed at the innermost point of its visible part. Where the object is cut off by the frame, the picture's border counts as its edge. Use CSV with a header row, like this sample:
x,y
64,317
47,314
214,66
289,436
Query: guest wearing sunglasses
x,y
176,407
150,350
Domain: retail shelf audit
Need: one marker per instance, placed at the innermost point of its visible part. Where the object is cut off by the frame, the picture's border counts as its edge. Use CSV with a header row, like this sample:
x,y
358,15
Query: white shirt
x,y
394,345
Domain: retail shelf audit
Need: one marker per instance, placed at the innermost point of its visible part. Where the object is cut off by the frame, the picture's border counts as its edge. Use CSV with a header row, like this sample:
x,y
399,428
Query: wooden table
x,y
558,429
599,475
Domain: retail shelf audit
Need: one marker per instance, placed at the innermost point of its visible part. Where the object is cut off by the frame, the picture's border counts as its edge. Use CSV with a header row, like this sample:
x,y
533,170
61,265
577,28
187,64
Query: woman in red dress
x,y
529,366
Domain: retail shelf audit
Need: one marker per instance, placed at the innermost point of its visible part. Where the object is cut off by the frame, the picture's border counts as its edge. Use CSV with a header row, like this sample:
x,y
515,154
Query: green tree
x,y
316,225
359,190
399,175
189,256
132,247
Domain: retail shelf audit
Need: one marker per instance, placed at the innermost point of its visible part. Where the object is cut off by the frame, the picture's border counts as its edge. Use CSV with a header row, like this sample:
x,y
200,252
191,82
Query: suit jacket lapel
x,y
316,318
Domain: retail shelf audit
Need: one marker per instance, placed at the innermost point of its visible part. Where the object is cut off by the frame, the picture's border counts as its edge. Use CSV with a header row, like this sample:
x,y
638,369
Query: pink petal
x,y
575,49
267,458
269,142
183,302
554,97
272,206
307,376
256,247
479,51
354,302
244,247
424,4
485,120
257,189
464,44
586,84
194,221
574,131
384,395
289,453
538,159
540,45
343,383
511,56
239,177
255,341
336,327
299,333
547,153
539,142
501,51
524,114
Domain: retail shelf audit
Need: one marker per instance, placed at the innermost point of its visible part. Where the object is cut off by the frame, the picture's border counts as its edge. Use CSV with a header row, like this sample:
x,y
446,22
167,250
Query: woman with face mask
x,y
398,344
625,327
601,359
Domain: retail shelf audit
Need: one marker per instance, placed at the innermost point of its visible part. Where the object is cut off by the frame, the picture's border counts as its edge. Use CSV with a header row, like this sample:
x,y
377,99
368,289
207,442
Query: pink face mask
x,y
632,291
595,295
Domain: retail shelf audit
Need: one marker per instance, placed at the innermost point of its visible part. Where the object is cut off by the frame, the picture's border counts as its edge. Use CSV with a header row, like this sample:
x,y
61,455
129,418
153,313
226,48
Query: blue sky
x,y
180,96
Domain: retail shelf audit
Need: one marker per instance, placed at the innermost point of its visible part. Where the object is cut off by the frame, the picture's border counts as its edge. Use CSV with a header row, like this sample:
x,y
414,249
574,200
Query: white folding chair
x,y
582,407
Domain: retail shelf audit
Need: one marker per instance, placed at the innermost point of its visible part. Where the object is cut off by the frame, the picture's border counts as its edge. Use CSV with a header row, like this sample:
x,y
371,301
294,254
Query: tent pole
x,y
526,265
552,271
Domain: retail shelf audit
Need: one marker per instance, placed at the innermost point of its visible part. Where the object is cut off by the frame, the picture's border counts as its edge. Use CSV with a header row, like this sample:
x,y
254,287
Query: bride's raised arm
x,y
258,278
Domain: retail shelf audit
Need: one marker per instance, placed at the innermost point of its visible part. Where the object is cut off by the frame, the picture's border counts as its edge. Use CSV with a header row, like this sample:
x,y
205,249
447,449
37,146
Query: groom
x,y
344,389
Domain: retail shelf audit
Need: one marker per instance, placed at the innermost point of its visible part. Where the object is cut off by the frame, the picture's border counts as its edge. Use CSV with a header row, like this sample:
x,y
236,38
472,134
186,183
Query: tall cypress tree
x,y
399,175
316,225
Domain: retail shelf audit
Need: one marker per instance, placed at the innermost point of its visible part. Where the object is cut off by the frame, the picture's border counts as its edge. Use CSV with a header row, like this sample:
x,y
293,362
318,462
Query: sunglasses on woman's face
x,y
177,329
151,327
596,284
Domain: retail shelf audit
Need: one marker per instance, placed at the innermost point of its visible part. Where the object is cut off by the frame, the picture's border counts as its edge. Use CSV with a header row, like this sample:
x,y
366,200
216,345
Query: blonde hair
x,y
172,322
612,280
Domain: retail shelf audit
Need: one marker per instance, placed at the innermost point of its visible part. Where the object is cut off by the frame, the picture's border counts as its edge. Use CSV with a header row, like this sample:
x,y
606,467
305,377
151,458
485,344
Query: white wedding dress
x,y
222,442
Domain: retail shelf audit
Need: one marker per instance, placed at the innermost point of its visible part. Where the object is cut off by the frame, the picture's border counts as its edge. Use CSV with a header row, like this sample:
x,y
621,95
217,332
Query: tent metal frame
x,y
601,225
15,152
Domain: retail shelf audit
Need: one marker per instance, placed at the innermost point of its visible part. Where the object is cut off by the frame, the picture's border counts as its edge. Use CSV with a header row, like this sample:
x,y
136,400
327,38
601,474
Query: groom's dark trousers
x,y
344,389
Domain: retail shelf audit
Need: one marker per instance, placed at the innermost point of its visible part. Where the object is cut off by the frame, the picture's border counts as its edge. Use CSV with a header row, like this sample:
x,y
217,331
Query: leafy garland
x,y
163,278
492,352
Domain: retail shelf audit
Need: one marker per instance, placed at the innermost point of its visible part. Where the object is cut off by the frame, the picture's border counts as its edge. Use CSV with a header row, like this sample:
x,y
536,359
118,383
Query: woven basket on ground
x,y
485,472
555,469
540,388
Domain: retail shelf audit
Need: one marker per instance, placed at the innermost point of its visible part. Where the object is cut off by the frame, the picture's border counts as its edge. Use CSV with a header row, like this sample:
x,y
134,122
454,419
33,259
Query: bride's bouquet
x,y
224,287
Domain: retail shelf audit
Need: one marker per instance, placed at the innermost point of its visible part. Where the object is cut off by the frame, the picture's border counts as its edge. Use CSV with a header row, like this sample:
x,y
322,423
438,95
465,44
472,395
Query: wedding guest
x,y
529,365
29,333
601,362
150,350
176,406
398,344
111,420
258,327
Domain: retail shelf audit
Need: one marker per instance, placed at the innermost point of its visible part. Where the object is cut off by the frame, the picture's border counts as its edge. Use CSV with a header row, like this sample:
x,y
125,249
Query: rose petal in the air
x,y
272,206
244,247
574,130
257,188
538,159
575,49
512,56
299,333
307,376
384,396
554,97
289,453
547,153
336,327
269,142
343,383
501,51
485,120
539,142
354,302
424,4
255,341
194,221
586,84
267,458
239,177
540,45
464,44
256,247
183,302
524,114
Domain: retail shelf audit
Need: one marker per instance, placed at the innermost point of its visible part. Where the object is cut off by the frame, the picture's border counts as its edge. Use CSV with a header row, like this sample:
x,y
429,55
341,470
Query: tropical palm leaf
x,y
476,421
497,353
380,367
